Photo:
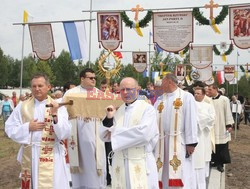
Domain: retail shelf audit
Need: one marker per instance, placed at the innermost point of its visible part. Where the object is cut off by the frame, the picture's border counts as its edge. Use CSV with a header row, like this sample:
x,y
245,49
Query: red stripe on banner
x,y
175,182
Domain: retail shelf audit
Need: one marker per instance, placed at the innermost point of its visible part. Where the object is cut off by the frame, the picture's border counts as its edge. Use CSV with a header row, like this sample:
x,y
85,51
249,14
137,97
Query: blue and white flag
x,y
76,38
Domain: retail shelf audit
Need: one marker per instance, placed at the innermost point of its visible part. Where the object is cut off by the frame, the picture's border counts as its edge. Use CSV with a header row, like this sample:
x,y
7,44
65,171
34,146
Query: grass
x,y
7,147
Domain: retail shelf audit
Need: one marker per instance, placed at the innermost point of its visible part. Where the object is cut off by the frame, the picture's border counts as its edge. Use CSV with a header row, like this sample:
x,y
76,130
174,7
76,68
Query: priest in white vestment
x,y
92,163
222,128
203,151
40,130
133,133
177,119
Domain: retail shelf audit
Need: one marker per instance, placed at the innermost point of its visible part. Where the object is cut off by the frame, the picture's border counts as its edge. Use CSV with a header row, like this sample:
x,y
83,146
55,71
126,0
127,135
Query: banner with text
x,y
201,56
42,40
173,31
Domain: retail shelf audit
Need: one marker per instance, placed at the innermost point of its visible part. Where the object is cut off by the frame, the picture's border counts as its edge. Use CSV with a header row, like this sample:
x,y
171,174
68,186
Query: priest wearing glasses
x,y
133,133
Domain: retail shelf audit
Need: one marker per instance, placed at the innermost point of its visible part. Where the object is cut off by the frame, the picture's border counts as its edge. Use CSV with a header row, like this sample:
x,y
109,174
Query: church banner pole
x,y
149,64
21,72
90,28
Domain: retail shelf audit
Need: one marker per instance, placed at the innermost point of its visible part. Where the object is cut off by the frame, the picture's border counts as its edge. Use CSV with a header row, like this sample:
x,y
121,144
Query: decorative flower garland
x,y
142,23
204,21
228,52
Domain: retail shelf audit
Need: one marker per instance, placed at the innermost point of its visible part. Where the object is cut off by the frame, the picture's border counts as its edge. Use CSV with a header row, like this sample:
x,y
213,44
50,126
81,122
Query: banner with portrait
x,y
229,72
42,40
180,71
239,21
139,61
109,29
173,31
201,56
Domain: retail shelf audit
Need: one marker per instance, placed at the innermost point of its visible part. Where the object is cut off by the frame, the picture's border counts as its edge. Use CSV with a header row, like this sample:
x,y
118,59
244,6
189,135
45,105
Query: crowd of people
x,y
170,139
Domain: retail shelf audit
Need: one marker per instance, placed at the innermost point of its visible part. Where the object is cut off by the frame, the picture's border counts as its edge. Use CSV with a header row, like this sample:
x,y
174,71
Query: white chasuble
x,y
133,137
179,124
135,155
41,151
87,157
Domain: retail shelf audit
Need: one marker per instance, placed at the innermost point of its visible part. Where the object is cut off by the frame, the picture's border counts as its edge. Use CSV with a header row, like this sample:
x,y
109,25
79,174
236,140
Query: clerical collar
x,y
173,93
127,104
216,97
40,102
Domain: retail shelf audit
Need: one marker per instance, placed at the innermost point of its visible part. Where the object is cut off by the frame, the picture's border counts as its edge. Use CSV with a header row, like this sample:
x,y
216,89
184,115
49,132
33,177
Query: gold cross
x,y
175,163
177,103
160,107
136,10
137,169
211,6
117,170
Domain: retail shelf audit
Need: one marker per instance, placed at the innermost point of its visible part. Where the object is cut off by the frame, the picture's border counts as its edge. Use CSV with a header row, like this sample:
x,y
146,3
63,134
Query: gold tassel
x,y
224,57
214,26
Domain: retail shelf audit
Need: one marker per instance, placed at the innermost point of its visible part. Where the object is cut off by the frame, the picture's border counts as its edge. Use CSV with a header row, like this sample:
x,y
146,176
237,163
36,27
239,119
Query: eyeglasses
x,y
91,78
128,90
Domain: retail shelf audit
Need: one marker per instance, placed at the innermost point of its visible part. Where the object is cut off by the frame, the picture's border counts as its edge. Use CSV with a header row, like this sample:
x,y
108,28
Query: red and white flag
x,y
220,77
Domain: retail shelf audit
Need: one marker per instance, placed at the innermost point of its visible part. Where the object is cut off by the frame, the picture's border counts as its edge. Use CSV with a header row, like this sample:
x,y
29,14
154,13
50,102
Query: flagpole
x,y
21,74
90,30
237,86
149,65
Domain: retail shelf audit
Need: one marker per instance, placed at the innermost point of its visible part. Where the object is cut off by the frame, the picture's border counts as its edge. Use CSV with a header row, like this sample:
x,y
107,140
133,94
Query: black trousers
x,y
221,155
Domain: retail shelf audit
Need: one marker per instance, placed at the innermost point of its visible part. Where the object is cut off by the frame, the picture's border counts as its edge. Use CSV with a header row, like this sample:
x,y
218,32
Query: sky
x,y
63,10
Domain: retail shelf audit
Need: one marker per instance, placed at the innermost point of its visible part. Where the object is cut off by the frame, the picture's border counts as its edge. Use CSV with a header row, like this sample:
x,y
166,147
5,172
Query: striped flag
x,y
220,77
76,38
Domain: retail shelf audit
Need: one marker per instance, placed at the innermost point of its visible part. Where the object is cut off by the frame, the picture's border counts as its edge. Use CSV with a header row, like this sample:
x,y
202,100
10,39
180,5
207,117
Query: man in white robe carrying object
x,y
40,129
177,120
89,153
133,133
203,151
222,128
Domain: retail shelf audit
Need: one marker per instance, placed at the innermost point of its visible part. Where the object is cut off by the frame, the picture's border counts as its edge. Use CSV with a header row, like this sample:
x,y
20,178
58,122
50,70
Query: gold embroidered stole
x,y
136,156
175,148
46,159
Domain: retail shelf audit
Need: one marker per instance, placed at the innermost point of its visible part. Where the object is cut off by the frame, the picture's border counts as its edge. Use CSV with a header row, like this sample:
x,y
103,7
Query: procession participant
x,y
133,135
40,129
91,172
222,128
14,99
203,151
177,120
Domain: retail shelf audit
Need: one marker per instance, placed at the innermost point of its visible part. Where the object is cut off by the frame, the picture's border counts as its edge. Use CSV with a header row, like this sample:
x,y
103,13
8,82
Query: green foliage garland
x,y
142,23
184,51
242,68
228,52
204,21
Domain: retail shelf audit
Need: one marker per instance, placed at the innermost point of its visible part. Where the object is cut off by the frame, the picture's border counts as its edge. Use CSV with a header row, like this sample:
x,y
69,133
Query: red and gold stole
x,y
46,159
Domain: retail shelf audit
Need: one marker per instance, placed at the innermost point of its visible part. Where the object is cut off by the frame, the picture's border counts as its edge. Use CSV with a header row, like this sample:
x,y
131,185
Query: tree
x,y
64,69
3,69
